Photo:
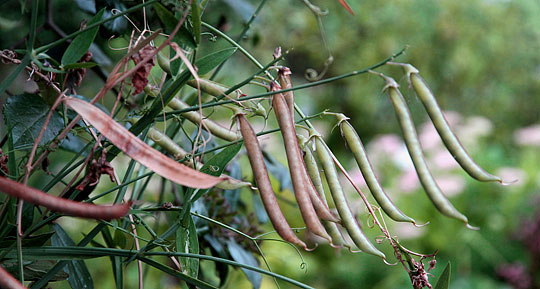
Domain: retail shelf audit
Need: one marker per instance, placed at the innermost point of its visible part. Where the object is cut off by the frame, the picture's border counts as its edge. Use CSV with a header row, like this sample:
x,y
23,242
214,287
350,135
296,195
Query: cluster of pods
x,y
306,175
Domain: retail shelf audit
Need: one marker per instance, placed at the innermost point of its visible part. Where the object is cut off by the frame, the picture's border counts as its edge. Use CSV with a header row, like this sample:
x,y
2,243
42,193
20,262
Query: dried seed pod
x,y
294,159
357,148
406,123
347,218
68,207
448,137
286,83
140,151
263,182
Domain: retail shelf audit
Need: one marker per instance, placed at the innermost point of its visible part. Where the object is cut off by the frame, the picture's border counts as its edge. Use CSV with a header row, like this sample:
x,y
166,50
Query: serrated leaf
x,y
279,171
79,276
183,36
209,62
241,255
26,114
78,65
80,44
188,242
216,165
444,279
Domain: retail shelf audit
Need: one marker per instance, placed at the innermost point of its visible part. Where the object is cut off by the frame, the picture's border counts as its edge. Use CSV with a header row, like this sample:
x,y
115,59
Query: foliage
x,y
133,59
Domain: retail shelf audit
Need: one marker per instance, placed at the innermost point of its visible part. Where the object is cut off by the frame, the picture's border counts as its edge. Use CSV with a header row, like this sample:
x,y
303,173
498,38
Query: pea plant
x,y
157,114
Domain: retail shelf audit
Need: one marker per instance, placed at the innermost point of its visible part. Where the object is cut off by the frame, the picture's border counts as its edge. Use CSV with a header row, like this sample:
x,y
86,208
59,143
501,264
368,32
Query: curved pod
x,y
265,187
347,218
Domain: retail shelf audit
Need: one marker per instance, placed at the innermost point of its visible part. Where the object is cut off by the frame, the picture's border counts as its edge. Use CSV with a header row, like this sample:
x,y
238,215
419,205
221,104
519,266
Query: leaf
x,y
240,255
78,65
140,151
187,242
259,209
207,63
216,165
79,276
346,5
279,171
80,45
26,114
183,37
119,24
35,270
30,241
87,5
444,279
233,196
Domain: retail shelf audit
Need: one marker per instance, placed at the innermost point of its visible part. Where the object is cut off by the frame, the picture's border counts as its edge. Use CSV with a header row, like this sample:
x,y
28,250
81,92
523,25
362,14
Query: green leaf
x,y
79,276
78,65
187,242
80,45
279,171
26,114
207,63
240,255
196,20
216,165
181,276
183,36
35,270
444,279
30,241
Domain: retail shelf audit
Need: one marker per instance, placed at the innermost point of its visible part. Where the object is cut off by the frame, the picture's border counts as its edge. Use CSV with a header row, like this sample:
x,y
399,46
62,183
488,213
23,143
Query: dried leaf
x,y
140,151
140,76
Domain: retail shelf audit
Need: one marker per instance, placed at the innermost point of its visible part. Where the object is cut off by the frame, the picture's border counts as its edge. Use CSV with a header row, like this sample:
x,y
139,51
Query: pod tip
x,y
420,226
472,227
503,183
311,249
388,263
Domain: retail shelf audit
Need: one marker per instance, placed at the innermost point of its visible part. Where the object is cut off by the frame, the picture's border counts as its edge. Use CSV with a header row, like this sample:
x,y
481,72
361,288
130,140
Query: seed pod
x,y
9,282
315,176
140,151
296,168
347,218
65,206
316,196
167,144
207,124
448,137
286,83
415,151
357,148
263,182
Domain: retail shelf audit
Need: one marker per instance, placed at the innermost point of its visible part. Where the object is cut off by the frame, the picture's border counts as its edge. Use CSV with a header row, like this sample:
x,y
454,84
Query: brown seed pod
x,y
65,206
263,182
296,168
140,151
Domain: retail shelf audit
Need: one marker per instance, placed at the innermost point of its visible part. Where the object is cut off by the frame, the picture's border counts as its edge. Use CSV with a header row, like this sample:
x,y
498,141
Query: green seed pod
x,y
448,137
415,150
347,218
357,148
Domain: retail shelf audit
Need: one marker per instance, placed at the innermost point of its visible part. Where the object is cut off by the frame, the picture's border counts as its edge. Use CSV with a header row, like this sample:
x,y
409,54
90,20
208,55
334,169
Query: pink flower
x,y
451,185
408,181
528,136
443,160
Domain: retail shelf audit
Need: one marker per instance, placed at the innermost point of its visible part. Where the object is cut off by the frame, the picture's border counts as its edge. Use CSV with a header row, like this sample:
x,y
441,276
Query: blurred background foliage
x,y
482,60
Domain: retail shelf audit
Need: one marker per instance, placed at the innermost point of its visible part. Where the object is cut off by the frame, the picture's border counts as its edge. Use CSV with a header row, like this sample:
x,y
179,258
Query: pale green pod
x,y
207,124
410,136
348,220
357,148
448,137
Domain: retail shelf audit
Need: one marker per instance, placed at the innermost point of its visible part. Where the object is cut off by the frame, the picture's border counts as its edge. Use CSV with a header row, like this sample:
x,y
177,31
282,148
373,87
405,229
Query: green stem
x,y
311,84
